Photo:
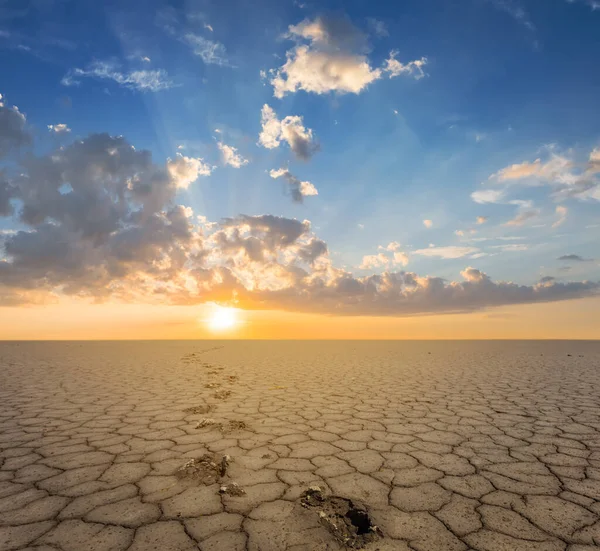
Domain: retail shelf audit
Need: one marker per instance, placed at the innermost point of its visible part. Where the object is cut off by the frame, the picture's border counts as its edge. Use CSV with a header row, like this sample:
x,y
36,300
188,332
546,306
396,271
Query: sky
x,y
417,169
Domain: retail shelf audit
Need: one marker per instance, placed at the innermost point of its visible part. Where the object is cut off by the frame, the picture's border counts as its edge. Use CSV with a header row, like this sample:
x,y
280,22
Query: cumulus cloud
x,y
447,252
371,261
298,189
428,223
59,128
230,156
290,130
186,170
392,246
331,56
100,221
395,68
142,80
391,256
13,130
482,219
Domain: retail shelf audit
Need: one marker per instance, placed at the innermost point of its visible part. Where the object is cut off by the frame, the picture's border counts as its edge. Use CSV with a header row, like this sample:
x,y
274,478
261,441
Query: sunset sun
x,y
222,319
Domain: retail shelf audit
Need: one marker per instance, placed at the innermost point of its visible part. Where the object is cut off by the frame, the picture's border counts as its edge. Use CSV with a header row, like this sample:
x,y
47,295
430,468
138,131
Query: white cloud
x,y
186,170
332,59
384,259
119,235
230,156
487,196
208,27
512,247
395,68
566,177
142,80
209,51
372,261
299,189
428,223
447,252
59,128
482,219
290,130
400,258
393,246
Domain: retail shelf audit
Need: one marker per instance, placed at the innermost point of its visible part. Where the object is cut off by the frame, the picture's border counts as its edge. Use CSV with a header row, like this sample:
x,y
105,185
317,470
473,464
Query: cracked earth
x,y
211,446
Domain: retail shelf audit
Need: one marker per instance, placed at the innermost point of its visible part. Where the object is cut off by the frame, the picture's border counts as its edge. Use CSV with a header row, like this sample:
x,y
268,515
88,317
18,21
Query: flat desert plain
x,y
233,445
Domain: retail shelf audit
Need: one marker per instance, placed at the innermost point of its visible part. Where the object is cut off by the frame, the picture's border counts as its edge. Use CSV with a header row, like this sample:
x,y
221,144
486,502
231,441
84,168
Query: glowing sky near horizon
x,y
335,161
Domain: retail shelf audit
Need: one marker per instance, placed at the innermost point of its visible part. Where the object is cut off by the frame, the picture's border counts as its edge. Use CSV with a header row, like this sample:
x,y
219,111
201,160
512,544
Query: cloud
x,y
230,156
575,258
395,68
290,130
594,4
13,129
393,246
428,223
482,219
331,56
59,128
100,221
298,189
566,177
186,170
514,10
142,80
512,247
522,217
371,261
378,27
487,196
385,259
209,51
447,252
561,213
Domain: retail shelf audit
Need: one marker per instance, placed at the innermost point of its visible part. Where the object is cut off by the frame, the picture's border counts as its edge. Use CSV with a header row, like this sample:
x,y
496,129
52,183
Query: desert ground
x,y
233,445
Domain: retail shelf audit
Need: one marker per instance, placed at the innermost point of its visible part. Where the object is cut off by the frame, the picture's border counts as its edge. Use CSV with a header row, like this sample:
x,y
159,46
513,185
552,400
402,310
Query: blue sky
x,y
501,83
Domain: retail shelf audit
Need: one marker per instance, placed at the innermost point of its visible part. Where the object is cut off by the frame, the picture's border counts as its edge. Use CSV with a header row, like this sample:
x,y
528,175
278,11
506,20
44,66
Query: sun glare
x,y
223,319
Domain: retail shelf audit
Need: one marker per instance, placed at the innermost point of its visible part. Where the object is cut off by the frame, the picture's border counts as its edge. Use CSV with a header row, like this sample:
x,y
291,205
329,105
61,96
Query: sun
x,y
222,318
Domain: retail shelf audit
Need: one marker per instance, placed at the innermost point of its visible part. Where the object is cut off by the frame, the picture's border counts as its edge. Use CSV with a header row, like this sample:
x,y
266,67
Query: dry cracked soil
x,y
270,446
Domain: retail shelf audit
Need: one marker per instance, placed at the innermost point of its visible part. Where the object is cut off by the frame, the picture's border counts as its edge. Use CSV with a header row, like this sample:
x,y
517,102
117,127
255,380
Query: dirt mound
x,y
348,521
